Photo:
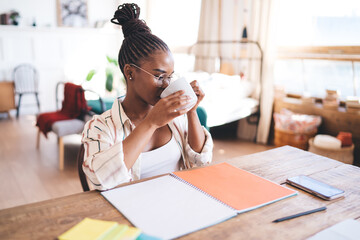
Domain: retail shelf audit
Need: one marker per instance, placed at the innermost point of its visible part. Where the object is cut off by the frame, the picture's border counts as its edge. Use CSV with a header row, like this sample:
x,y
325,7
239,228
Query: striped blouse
x,y
104,157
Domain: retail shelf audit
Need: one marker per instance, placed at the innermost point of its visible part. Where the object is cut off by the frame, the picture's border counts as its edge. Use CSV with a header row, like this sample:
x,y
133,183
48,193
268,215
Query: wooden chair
x,y
26,82
82,176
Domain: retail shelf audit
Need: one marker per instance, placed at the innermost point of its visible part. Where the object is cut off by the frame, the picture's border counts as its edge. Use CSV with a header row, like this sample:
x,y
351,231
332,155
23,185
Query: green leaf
x,y
90,75
112,60
109,80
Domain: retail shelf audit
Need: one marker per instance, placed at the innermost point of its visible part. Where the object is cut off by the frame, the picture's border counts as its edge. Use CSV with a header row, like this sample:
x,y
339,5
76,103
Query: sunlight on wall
x,y
177,24
320,22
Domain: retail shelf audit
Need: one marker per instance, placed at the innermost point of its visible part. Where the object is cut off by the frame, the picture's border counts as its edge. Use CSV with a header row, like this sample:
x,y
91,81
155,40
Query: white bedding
x,y
227,98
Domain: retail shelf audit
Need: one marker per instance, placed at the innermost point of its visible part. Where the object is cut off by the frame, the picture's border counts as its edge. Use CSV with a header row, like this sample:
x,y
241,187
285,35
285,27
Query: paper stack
x,y
332,99
353,104
94,229
307,98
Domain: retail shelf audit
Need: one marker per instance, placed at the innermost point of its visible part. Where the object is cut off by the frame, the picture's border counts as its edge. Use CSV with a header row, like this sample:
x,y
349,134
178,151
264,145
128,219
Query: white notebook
x,y
167,208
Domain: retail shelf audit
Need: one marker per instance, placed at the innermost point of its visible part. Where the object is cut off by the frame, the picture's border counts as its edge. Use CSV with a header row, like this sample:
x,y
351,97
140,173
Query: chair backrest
x,y
25,78
59,95
82,176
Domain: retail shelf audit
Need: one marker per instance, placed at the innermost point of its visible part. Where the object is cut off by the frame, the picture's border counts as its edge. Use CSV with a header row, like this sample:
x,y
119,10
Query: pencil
x,y
300,214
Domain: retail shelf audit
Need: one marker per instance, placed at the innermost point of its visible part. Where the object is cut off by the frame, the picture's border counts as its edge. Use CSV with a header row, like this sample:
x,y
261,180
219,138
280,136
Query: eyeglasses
x,y
161,79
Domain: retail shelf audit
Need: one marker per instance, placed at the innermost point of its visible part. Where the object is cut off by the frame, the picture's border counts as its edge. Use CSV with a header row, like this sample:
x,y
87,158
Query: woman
x,y
143,135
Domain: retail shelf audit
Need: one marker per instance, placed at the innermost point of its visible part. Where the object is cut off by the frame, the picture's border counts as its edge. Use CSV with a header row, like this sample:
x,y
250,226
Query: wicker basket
x,y
299,140
344,154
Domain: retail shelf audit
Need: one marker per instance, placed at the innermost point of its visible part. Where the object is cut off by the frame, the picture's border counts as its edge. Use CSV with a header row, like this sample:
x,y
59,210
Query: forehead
x,y
159,60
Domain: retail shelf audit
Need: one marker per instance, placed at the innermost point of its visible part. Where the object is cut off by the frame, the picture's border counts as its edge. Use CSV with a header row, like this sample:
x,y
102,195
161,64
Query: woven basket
x,y
344,154
299,140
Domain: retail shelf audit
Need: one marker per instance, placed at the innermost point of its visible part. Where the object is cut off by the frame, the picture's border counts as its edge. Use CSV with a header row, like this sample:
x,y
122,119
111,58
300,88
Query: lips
x,y
160,92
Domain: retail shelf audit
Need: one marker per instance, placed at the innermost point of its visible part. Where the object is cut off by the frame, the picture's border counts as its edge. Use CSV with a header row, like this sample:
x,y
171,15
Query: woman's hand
x,y
196,137
165,109
199,93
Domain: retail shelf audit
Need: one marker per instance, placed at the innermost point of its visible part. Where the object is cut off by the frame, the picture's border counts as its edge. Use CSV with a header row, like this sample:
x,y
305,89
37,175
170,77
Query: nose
x,y
165,83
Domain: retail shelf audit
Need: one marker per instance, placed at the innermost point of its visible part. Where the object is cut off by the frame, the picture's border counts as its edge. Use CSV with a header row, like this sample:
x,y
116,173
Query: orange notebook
x,y
235,187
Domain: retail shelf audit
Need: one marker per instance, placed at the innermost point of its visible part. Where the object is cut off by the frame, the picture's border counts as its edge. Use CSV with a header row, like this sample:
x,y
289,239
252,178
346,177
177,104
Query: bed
x,y
233,84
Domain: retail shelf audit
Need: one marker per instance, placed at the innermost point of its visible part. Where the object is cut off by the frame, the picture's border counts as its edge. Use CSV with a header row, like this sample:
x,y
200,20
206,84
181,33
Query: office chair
x,y
26,81
82,176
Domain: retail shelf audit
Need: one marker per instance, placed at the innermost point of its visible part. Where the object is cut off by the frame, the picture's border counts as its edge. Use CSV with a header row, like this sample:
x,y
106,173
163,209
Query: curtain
x,y
219,20
264,22
225,20
208,30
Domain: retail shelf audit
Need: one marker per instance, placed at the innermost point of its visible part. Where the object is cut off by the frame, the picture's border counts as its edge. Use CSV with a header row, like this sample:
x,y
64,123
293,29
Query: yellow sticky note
x,y
130,234
89,229
117,232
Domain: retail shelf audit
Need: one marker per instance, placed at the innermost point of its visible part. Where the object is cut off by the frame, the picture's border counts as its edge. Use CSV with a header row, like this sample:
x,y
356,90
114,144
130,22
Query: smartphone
x,y
315,187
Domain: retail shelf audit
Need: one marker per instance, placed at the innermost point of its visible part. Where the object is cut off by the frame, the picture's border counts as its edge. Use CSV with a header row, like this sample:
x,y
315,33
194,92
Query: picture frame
x,y
72,13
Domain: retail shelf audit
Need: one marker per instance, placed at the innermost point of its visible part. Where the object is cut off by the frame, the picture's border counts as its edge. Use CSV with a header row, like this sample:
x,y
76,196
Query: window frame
x,y
330,53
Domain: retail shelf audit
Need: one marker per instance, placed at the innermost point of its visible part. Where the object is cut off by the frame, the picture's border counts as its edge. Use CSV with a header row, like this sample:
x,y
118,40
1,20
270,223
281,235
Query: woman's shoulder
x,y
104,120
107,116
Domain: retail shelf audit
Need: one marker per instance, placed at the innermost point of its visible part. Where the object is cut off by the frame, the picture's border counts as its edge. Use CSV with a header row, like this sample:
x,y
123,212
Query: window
x,y
319,23
315,76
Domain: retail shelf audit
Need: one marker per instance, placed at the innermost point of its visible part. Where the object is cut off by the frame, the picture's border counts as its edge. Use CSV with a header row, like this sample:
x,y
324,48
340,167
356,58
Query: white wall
x,y
59,54
44,11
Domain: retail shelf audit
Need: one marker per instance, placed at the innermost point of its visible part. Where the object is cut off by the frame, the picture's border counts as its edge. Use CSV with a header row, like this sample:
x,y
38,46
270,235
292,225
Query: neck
x,y
136,109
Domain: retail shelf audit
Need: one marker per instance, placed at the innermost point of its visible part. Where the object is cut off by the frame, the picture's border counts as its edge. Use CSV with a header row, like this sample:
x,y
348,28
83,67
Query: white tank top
x,y
161,160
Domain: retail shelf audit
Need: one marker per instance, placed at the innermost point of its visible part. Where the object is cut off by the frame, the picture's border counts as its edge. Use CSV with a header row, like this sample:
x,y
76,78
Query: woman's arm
x,y
196,135
103,157
161,114
107,163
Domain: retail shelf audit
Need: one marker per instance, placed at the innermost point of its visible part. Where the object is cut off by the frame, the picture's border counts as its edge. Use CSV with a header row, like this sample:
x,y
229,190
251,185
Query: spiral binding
x,y
198,189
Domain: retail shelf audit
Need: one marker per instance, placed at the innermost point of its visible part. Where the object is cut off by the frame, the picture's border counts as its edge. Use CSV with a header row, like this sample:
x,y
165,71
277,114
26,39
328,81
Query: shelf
x,y
333,120
332,53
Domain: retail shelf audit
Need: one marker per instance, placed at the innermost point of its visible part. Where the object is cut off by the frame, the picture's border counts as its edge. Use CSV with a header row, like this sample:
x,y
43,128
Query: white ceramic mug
x,y
181,84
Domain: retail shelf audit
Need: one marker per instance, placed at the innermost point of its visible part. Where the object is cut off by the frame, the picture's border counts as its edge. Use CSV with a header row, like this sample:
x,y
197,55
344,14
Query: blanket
x,y
74,106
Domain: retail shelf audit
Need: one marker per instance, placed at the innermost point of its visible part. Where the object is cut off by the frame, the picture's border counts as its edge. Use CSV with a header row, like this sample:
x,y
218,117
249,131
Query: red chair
x,y
69,120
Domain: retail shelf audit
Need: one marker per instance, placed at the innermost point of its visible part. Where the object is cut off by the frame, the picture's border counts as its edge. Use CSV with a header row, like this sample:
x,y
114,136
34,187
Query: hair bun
x,y
127,15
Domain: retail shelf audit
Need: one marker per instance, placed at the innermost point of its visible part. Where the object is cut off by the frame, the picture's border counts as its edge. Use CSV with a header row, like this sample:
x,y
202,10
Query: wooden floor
x,y
29,175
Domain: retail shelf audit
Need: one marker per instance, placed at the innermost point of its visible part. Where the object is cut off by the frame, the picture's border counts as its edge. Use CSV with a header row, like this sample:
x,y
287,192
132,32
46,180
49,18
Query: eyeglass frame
x,y
157,78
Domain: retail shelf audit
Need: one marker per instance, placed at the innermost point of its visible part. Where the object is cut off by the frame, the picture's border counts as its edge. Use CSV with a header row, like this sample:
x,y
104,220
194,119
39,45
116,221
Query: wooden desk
x,y
48,219
7,97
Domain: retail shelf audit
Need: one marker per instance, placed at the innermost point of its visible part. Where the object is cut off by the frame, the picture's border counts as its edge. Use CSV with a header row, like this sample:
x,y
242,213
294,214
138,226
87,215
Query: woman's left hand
x,y
199,93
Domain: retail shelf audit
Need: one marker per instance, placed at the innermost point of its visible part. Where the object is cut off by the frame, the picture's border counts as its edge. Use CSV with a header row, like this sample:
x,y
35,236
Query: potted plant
x,y
114,83
14,16
110,73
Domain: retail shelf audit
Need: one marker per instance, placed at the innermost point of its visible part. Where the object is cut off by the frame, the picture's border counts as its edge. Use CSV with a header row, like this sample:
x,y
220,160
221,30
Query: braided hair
x,y
138,41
